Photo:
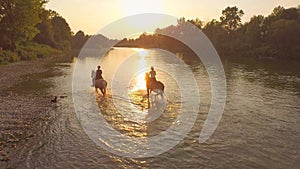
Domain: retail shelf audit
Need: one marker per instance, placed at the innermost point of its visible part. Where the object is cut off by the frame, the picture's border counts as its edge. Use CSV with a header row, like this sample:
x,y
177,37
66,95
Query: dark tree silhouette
x,y
231,18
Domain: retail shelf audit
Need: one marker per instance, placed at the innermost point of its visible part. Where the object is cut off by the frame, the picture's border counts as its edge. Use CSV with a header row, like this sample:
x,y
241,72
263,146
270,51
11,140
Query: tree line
x,y
28,30
274,36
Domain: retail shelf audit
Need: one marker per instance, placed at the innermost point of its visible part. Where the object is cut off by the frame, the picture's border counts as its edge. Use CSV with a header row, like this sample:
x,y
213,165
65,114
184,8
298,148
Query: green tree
x,y
46,33
290,14
181,21
217,35
280,12
284,35
61,32
277,11
79,39
231,18
274,16
197,22
254,31
17,21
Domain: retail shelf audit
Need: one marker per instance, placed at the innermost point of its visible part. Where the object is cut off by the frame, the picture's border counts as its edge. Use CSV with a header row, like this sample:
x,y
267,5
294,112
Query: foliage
x,y
274,36
7,56
32,50
284,35
231,18
254,31
79,39
45,27
54,31
197,22
17,21
27,51
28,31
61,32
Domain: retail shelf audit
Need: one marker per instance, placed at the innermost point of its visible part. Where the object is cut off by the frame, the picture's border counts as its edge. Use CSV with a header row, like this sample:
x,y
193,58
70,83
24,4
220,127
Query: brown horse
x,y
152,84
101,84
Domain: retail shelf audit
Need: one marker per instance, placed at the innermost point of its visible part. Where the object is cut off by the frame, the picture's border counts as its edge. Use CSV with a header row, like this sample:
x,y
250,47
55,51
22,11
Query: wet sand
x,y
24,101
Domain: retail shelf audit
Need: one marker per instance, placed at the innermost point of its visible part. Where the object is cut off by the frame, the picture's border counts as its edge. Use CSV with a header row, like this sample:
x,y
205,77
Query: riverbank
x,y
24,100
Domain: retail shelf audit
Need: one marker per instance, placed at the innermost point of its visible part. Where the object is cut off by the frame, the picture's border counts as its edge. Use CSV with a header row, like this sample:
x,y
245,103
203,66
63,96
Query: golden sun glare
x,y
132,7
139,79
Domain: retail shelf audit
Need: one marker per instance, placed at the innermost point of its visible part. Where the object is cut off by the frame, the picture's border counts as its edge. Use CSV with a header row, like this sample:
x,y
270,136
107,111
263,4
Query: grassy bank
x,y
27,51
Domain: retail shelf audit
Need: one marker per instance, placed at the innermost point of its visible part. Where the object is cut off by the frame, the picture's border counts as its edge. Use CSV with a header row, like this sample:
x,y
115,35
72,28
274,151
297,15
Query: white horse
x,y
93,76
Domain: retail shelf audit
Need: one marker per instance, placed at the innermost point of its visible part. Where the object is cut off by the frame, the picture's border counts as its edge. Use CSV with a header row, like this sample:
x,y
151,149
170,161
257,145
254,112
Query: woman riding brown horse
x,y
152,84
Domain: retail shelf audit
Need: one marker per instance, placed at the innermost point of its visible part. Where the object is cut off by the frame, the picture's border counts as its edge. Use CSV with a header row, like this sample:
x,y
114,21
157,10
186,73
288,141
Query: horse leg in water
x,y
148,91
103,91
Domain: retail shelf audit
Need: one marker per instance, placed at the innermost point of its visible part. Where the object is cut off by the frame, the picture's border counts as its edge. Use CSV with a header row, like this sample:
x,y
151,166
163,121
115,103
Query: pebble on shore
x,y
19,112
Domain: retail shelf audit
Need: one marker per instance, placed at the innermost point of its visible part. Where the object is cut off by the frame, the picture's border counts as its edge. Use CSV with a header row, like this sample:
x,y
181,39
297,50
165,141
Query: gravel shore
x,y
24,101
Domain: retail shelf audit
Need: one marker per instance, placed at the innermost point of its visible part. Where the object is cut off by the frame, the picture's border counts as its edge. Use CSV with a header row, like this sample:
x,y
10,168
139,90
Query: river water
x,y
259,127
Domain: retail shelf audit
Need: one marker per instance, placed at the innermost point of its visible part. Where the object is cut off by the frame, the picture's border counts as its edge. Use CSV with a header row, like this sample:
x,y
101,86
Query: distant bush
x,y
8,57
28,51
31,50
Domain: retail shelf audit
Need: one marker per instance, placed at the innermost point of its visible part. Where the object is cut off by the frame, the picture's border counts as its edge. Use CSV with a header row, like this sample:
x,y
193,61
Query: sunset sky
x,y
92,15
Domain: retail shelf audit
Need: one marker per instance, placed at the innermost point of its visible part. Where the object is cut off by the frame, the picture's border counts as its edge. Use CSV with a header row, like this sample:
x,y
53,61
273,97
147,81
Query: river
x,y
259,127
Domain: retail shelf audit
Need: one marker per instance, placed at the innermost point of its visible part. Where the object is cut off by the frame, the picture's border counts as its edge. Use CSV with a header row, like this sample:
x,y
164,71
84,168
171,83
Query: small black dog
x,y
54,100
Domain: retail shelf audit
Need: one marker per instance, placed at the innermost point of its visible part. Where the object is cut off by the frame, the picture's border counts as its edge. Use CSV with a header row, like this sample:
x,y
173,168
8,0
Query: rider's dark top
x,y
99,74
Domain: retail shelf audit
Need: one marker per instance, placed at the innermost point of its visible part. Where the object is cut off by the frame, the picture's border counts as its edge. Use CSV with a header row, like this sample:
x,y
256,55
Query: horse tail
x,y
105,83
162,86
